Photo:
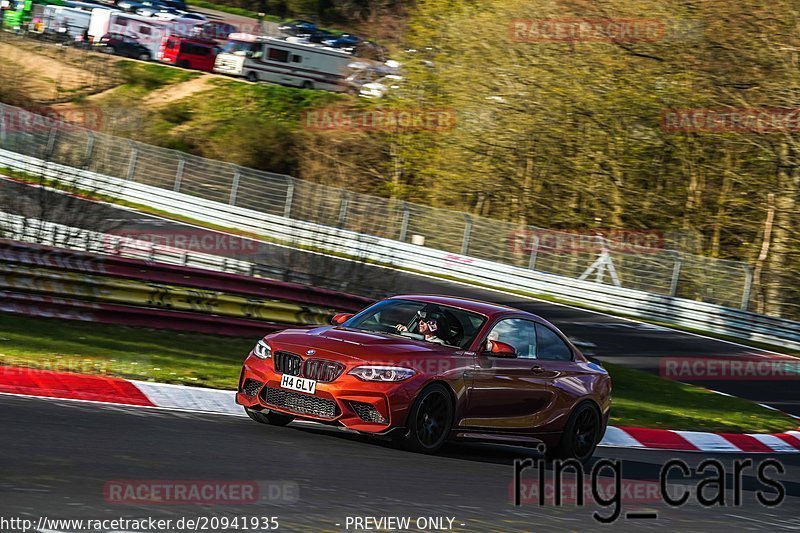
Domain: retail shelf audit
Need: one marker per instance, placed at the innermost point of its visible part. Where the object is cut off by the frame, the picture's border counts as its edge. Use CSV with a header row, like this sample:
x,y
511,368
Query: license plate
x,y
309,386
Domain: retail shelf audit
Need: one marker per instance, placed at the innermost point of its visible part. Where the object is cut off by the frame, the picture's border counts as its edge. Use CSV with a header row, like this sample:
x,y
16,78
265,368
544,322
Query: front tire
x,y
429,421
580,436
271,418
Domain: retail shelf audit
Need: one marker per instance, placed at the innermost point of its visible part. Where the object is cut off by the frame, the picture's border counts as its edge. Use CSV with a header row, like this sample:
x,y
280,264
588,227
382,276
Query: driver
x,y
427,327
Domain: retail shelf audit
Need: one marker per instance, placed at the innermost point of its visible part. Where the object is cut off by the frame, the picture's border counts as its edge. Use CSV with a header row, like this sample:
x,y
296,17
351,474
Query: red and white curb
x,y
104,389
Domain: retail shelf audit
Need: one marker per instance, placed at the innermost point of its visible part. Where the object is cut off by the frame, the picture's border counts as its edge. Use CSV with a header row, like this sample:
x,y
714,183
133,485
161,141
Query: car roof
x,y
477,306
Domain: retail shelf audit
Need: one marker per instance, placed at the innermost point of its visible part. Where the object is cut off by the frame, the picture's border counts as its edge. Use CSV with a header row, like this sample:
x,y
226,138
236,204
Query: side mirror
x,y
501,349
340,318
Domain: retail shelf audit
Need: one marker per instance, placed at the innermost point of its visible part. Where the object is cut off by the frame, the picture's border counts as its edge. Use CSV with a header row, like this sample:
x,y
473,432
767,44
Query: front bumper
x,y
364,406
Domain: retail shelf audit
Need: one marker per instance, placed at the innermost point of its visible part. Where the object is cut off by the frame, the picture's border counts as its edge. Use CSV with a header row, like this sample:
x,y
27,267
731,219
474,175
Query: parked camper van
x,y
150,32
190,52
73,20
282,61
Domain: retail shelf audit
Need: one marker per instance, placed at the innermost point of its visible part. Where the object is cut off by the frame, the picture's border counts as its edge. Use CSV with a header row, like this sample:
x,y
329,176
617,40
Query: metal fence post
x,y
179,175
287,207
676,273
748,286
132,163
534,252
89,149
234,186
342,208
51,143
404,222
467,233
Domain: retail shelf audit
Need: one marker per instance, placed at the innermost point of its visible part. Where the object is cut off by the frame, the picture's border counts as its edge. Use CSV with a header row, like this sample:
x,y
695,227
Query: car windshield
x,y
443,324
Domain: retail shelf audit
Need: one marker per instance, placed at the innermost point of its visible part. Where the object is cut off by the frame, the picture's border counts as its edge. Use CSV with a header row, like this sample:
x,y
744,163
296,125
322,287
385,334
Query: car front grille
x,y
287,363
367,412
250,387
299,403
322,370
316,369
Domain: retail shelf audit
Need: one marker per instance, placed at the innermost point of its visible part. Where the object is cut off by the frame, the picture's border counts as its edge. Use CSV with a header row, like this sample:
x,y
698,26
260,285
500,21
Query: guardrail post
x,y
676,274
89,149
342,208
234,186
404,222
534,252
287,207
179,175
132,163
467,232
748,286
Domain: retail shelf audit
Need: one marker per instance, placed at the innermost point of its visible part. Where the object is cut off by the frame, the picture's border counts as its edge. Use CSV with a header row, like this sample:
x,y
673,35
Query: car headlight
x,y
262,350
382,373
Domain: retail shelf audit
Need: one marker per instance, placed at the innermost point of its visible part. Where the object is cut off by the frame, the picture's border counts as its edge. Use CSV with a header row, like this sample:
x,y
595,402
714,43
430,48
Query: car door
x,y
506,393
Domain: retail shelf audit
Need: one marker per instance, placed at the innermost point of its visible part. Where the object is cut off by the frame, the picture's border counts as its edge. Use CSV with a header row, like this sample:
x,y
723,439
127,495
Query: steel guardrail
x,y
677,311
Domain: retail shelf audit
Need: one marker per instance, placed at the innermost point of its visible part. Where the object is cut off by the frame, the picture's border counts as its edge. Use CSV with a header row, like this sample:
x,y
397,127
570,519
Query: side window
x,y
145,30
521,334
276,54
550,345
296,59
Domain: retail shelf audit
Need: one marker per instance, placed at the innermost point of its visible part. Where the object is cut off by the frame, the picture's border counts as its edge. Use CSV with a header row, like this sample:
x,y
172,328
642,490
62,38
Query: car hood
x,y
354,345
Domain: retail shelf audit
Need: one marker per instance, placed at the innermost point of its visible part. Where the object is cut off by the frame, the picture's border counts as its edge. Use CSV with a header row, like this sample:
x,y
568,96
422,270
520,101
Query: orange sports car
x,y
427,369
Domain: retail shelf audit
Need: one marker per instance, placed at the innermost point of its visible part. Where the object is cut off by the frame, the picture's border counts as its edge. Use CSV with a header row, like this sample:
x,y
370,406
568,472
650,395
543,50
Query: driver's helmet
x,y
436,322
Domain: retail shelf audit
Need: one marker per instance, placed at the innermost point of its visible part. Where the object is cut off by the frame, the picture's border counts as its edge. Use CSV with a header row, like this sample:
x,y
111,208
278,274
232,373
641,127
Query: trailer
x,y
284,61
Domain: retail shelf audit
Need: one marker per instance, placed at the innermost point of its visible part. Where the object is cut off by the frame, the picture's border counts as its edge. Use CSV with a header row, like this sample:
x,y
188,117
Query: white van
x,y
286,62
150,32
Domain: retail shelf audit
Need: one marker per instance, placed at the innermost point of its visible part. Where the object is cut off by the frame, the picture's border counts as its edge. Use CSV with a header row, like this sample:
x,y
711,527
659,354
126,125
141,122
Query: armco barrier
x,y
698,315
46,281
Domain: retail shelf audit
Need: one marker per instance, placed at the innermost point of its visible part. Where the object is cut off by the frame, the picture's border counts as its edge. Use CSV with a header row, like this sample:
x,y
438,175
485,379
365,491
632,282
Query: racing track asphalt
x,y
57,456
630,343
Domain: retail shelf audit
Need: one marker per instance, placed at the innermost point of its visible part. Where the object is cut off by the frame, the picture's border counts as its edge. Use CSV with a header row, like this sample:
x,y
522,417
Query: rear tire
x,y
271,418
307,85
144,57
252,77
580,436
429,421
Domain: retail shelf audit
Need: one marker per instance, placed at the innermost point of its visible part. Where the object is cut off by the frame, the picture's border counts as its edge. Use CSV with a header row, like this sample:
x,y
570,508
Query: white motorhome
x,y
74,19
284,61
150,32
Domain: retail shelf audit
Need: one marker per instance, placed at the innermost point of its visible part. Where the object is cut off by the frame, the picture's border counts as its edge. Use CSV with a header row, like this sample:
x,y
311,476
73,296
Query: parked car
x,y
216,30
298,28
124,46
180,5
129,5
192,16
381,86
190,52
427,369
345,40
318,35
